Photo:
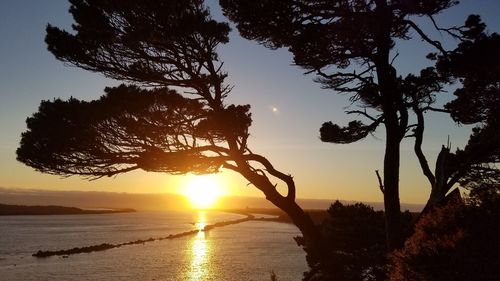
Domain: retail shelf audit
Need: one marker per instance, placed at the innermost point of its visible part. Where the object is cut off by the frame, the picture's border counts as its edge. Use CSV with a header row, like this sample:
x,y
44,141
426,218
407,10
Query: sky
x,y
288,109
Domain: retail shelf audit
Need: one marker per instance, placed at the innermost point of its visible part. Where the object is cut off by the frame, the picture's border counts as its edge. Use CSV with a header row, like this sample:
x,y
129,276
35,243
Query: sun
x,y
202,191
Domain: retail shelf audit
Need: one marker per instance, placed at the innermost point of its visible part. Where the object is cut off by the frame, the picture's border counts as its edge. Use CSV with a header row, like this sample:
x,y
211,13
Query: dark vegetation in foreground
x,y
20,210
456,240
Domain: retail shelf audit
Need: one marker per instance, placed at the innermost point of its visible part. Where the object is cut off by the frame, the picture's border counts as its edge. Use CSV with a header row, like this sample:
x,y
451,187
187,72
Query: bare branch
x,y
364,113
419,135
453,31
380,184
426,38
429,108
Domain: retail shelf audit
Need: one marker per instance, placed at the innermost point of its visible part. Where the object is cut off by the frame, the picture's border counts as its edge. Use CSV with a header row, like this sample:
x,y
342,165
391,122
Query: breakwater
x,y
107,246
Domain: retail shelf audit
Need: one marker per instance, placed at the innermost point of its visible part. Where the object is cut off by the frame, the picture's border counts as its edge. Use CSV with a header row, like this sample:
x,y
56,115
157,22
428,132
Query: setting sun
x,y
203,191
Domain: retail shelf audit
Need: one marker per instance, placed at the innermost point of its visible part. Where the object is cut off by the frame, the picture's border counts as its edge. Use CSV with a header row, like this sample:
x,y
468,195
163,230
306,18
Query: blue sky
x,y
264,78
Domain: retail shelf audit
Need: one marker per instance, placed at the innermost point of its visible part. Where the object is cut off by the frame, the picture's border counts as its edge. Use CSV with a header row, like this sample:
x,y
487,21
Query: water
x,y
246,251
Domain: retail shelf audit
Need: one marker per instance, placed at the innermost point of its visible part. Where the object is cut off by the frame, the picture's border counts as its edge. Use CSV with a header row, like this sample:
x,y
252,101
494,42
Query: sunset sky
x,y
287,108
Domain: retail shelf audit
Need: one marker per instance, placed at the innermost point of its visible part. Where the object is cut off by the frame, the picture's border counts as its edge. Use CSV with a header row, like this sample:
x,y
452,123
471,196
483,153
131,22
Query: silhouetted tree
x,y
476,64
171,118
356,242
454,241
356,247
350,46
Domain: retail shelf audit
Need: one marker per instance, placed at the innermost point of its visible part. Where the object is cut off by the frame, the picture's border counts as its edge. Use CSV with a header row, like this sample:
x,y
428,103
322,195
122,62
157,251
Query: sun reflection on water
x,y
200,249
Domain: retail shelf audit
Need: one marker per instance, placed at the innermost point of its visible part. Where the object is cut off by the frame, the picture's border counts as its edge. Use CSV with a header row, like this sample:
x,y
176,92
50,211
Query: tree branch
x,y
271,170
426,38
380,184
364,113
417,147
450,31
435,109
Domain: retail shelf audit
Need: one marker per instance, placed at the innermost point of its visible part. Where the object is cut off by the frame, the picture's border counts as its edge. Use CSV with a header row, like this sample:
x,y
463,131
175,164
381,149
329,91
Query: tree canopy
x,y
473,65
129,128
350,46
171,117
168,127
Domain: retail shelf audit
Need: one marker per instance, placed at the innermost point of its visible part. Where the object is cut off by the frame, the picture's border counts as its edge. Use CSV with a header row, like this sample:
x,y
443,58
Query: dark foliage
x,y
351,224
353,132
323,34
455,242
484,188
356,245
349,45
476,64
160,43
128,128
172,118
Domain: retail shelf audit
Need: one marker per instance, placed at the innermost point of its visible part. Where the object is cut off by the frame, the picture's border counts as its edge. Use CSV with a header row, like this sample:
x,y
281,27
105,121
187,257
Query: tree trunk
x,y
440,186
392,104
391,189
394,128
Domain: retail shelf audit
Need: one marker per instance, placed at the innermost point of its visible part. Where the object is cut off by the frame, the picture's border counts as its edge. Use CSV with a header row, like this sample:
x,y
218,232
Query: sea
x,y
249,250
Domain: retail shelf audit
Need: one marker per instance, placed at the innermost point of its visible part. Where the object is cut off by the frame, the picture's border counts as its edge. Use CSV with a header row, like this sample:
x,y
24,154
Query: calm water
x,y
246,251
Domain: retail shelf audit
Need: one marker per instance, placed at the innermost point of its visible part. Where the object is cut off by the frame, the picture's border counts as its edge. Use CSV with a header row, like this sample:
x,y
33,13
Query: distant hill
x,y
18,210
93,199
